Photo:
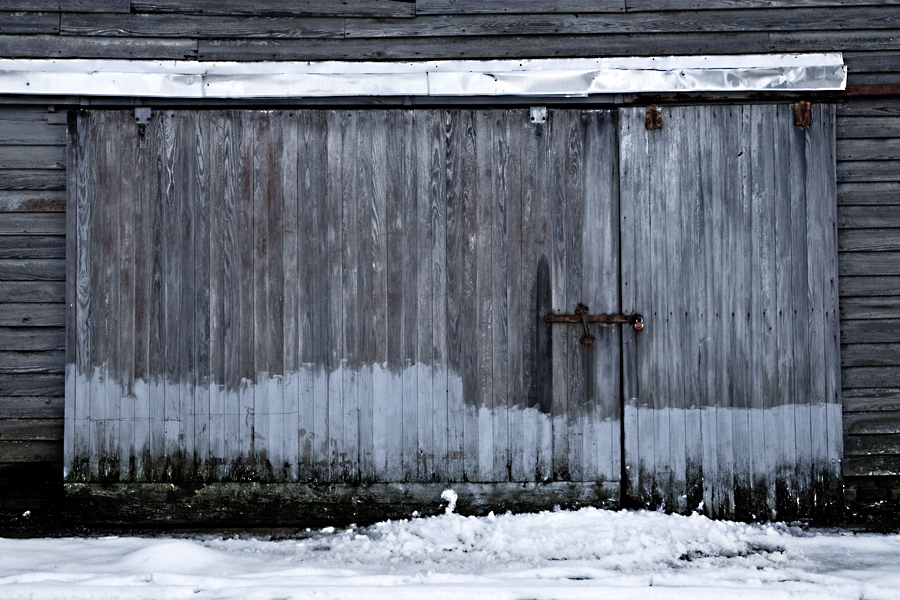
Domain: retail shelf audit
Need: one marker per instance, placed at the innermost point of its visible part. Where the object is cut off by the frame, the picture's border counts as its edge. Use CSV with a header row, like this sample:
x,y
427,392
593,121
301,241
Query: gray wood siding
x,y
434,29
32,309
868,241
729,251
342,296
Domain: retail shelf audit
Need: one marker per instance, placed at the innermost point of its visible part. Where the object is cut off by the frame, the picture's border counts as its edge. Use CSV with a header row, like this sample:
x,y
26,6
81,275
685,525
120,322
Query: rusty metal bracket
x,y
653,118
581,317
802,114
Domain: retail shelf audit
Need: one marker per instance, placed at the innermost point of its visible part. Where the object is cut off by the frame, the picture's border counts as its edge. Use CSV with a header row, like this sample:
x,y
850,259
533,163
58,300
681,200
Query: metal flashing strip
x,y
563,77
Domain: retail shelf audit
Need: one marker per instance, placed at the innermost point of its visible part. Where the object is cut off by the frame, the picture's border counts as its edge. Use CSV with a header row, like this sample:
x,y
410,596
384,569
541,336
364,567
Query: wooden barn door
x,y
732,393
343,296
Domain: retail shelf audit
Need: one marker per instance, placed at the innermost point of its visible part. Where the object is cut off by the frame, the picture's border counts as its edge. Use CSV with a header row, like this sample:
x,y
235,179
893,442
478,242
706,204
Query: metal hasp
x,y
582,317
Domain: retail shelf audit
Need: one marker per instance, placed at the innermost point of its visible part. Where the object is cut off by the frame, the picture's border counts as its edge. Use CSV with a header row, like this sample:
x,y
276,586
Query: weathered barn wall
x,y
866,32
343,296
869,243
32,309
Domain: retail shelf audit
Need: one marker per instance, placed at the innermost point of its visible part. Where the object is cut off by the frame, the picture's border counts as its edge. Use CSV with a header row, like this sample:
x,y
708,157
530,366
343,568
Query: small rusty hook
x,y
582,311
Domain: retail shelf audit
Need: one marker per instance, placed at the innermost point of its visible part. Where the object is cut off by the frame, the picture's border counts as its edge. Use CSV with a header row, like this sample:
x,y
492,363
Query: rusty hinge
x,y
802,114
582,317
653,118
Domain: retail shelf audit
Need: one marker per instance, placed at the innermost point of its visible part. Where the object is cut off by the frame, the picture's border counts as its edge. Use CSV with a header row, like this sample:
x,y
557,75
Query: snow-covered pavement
x,y
588,553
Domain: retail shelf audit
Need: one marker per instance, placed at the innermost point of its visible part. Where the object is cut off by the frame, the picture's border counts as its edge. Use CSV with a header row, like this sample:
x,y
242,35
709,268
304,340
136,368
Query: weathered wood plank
x,y
859,107
113,6
632,159
870,355
512,47
37,179
568,20
263,161
869,445
275,8
869,286
869,149
30,130
868,240
32,291
245,257
32,201
499,163
870,466
862,170
32,157
423,131
79,205
869,263
31,384
870,377
32,362
31,429
458,147
561,339
50,269
32,338
868,193
437,208
868,127
28,22
369,223
639,5
32,315
871,400
31,451
870,331
878,307
32,246
333,264
575,376
36,407
53,46
38,223
481,461
290,228
439,7
179,25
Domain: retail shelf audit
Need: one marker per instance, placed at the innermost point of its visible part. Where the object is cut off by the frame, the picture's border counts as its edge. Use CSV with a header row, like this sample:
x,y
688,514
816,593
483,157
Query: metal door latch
x,y
582,317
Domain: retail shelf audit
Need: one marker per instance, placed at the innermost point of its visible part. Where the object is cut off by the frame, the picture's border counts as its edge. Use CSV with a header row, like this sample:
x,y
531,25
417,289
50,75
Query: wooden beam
x,y
279,8
193,26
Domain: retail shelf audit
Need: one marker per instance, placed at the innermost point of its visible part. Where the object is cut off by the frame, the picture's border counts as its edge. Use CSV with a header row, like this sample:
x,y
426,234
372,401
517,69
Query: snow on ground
x,y
588,553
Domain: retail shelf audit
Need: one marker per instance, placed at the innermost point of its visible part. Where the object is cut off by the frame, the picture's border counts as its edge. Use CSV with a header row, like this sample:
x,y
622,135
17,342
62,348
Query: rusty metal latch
x,y
582,317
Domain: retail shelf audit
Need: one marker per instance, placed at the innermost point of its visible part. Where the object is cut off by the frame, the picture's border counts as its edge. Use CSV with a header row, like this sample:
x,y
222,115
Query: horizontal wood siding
x,y
32,283
869,246
445,29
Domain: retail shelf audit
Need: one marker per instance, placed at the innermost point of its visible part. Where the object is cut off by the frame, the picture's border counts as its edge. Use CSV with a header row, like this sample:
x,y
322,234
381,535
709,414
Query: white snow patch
x,y
588,553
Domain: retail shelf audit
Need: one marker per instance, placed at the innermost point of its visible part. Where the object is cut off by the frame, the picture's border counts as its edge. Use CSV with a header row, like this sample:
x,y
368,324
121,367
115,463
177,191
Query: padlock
x,y
639,323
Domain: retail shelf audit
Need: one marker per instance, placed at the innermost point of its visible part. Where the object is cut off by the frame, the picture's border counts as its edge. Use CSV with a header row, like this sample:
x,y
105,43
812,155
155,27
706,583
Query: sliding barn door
x,y
732,394
342,296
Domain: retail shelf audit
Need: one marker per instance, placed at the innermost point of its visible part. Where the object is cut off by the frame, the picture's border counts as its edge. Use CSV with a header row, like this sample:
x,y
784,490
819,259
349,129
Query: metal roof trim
x,y
564,77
